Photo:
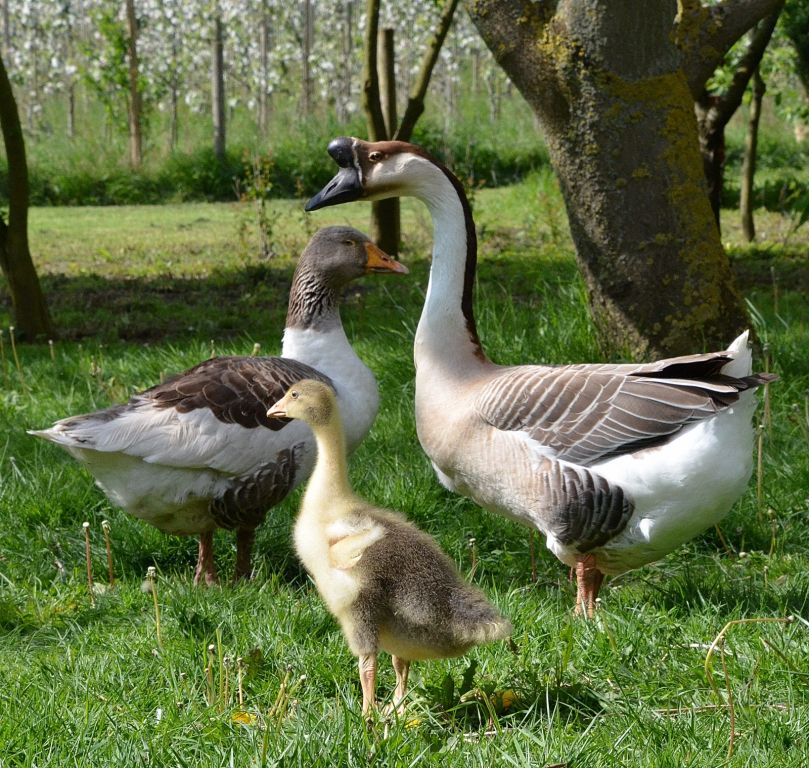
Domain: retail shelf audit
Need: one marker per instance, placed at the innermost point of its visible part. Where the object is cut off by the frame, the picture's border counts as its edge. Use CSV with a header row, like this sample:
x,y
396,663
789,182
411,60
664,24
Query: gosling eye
x,y
294,394
375,156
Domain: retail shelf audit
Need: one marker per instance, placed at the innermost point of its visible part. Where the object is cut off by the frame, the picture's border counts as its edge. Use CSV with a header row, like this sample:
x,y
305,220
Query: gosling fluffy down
x,y
387,583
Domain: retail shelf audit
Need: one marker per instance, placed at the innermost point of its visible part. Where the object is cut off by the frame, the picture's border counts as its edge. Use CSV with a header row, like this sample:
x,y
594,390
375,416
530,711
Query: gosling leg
x,y
367,666
402,669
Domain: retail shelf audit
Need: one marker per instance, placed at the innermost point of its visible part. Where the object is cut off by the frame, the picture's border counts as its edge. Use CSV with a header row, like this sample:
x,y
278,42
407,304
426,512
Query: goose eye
x,y
349,242
375,156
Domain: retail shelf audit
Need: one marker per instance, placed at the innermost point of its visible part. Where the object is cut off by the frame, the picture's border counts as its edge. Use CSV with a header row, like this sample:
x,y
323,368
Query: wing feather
x,y
584,414
212,416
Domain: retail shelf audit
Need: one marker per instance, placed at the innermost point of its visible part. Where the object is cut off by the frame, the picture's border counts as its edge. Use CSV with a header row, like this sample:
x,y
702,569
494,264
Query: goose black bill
x,y
346,186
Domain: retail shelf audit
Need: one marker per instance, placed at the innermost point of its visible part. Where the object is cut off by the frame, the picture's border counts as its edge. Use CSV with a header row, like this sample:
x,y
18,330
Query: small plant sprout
x,y
89,561
17,363
151,580
281,703
3,359
531,554
256,349
213,349
773,532
767,404
221,659
105,526
806,407
209,674
473,556
227,663
760,469
239,670
52,350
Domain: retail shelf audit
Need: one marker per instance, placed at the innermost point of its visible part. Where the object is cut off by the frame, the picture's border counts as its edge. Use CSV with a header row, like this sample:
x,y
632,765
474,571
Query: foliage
x,y
300,166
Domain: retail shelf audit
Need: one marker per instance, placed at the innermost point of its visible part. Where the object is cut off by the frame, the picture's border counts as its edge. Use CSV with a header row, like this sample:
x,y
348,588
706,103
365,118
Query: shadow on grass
x,y
223,304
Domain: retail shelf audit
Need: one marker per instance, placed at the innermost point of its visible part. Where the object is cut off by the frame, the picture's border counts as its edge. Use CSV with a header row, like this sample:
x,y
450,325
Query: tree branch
x,y
415,101
724,107
706,33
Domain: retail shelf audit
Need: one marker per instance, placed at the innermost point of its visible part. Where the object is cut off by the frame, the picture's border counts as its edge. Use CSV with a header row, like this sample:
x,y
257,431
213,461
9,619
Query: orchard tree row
x,y
138,56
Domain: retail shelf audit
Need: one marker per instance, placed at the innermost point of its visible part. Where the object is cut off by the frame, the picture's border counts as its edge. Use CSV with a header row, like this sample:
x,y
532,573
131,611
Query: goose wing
x,y
212,416
586,413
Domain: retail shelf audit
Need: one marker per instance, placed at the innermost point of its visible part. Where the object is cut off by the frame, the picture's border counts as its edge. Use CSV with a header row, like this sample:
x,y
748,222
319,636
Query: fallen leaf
x,y
243,718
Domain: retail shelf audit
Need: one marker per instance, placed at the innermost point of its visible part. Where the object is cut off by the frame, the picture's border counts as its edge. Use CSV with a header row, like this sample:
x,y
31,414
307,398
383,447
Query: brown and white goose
x,y
616,465
199,452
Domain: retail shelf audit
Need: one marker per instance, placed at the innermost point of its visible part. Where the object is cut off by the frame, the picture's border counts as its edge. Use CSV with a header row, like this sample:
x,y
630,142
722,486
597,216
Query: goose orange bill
x,y
379,261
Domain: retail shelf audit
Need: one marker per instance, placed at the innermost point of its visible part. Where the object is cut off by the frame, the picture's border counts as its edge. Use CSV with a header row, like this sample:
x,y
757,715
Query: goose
x,y
198,451
616,465
388,584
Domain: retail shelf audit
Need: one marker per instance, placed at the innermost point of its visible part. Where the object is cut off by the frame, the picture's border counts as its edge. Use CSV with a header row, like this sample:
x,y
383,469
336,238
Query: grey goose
x,y
198,452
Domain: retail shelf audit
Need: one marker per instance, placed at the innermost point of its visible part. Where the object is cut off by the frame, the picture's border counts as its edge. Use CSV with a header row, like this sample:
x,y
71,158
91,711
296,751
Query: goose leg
x,y
244,548
367,665
588,582
205,565
402,669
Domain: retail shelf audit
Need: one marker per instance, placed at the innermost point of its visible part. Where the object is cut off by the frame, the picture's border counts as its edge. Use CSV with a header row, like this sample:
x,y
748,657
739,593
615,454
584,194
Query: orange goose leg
x,y
205,564
588,583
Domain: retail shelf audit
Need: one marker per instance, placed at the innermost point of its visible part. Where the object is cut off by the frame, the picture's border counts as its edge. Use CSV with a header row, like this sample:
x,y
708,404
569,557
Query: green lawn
x,y
140,292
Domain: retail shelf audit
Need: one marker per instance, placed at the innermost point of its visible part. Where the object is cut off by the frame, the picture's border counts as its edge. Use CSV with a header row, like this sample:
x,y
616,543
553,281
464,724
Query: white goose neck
x,y
446,334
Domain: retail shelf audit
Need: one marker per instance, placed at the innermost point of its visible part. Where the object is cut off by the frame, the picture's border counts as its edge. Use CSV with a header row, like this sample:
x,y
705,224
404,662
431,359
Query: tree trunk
x,y
307,43
749,162
135,97
385,224
385,214
387,79
712,148
28,302
6,28
606,82
343,95
174,117
218,89
174,94
71,110
371,100
264,61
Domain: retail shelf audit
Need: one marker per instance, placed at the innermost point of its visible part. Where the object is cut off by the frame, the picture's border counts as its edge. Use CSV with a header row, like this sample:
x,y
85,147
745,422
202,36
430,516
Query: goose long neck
x,y
447,331
312,302
329,480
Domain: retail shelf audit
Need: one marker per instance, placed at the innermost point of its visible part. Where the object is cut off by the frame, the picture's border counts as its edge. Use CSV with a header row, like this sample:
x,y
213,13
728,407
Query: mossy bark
x,y
607,84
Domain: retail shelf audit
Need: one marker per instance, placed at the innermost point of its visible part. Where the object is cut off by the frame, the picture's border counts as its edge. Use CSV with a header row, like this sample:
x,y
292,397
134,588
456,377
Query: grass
x,y
140,292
